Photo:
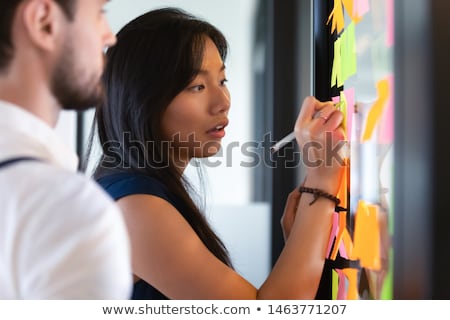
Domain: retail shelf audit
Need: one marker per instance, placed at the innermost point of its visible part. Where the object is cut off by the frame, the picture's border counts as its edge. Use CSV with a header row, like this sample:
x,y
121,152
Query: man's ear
x,y
42,20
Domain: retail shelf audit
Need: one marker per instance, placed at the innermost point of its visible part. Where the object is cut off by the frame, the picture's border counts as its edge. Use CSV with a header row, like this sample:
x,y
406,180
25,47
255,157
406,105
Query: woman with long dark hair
x,y
167,103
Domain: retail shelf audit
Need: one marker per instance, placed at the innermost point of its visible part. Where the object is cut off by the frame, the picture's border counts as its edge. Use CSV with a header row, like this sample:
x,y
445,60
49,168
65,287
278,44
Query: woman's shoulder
x,y
123,184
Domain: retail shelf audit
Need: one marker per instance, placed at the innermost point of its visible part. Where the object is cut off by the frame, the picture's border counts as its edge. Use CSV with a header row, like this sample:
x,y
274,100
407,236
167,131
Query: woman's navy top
x,y
120,185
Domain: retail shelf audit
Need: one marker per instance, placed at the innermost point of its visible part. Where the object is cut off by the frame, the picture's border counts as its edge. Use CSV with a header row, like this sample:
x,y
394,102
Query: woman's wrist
x,y
319,193
327,184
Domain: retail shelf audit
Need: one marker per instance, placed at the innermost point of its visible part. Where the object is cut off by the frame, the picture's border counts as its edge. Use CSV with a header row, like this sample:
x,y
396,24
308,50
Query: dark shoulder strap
x,y
11,161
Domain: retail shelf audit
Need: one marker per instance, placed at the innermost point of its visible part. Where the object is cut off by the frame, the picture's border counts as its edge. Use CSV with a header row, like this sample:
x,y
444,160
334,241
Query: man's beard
x,y
71,93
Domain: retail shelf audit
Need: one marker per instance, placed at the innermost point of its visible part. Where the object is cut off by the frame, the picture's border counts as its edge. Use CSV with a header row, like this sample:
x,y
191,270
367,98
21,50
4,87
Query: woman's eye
x,y
223,82
199,87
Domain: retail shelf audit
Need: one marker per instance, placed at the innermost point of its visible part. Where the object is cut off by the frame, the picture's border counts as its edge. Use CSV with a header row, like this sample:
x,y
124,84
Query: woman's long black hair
x,y
157,55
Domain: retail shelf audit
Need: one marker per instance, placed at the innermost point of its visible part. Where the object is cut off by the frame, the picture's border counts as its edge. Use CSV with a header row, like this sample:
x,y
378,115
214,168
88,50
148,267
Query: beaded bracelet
x,y
319,193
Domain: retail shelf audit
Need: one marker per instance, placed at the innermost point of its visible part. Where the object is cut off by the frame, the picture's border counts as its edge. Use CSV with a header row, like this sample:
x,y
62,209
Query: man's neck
x,y
31,95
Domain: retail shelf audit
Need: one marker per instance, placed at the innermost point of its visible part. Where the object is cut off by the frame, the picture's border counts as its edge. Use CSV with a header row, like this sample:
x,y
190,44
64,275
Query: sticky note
x,y
340,234
386,133
352,276
345,60
334,284
348,52
350,106
348,5
360,8
336,72
356,9
342,196
346,247
333,233
337,17
342,286
343,187
347,106
343,100
366,240
376,111
389,23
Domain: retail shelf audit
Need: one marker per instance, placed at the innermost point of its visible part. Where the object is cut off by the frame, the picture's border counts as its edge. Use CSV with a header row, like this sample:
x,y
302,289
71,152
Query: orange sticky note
x,y
376,111
342,196
358,236
348,5
386,133
366,243
352,276
371,257
337,17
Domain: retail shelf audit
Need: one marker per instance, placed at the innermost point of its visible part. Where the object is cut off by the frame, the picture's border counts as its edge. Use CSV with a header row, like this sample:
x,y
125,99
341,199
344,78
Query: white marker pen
x,y
280,144
291,136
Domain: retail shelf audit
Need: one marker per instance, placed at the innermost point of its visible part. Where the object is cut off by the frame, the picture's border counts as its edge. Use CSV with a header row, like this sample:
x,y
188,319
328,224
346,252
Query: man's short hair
x,y
7,11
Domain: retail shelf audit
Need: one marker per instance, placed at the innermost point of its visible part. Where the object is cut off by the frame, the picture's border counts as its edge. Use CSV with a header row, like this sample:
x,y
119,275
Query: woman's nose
x,y
221,101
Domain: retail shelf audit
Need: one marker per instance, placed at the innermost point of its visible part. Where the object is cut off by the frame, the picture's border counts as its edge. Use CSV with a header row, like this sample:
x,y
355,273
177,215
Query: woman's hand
x,y
320,136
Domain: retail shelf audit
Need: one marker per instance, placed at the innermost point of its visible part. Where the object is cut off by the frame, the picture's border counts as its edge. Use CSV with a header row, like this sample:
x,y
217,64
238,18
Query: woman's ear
x,y
42,20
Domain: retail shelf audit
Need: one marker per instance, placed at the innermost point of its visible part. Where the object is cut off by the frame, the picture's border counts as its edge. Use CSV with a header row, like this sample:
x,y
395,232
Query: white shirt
x,y
61,236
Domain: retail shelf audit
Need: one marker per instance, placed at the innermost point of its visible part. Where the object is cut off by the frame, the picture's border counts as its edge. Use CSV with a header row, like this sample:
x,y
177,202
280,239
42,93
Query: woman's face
x,y
194,122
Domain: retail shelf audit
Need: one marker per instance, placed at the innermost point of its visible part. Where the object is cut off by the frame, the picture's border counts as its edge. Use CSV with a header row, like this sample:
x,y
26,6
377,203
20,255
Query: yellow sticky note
x,y
335,284
376,111
343,109
344,62
336,72
349,58
348,52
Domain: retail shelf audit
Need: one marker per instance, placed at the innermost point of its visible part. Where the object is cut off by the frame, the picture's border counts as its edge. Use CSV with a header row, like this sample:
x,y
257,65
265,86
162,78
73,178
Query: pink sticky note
x,y
350,97
342,287
336,99
389,23
346,248
360,8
